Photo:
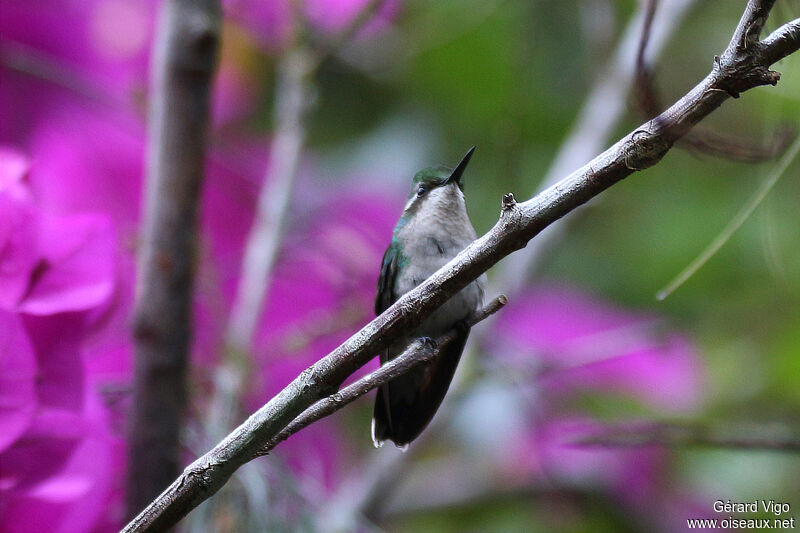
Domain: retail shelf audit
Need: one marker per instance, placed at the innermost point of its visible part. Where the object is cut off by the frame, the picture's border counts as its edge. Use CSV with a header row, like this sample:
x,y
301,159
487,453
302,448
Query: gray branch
x,y
184,61
418,353
293,100
737,70
601,112
774,437
604,106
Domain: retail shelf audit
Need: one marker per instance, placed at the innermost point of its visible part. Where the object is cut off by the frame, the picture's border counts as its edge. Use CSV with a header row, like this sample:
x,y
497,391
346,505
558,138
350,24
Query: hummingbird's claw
x,y
430,341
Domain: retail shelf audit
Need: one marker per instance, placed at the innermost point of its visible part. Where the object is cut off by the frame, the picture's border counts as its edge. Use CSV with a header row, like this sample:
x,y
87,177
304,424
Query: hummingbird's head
x,y
438,187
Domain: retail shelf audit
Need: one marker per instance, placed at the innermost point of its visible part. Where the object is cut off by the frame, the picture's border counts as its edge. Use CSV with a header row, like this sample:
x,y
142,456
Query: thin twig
x,y
734,72
293,102
735,223
418,353
702,140
185,57
680,435
602,110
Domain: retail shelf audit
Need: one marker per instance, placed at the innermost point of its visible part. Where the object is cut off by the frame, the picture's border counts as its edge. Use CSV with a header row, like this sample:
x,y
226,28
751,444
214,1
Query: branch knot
x,y
509,202
644,149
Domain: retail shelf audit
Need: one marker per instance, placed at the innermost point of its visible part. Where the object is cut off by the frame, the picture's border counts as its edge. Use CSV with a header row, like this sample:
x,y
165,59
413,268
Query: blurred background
x,y
585,405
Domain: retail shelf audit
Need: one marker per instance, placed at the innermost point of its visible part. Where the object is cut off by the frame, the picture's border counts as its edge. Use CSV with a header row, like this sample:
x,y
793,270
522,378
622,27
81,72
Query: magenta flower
x,y
56,271
573,346
106,41
74,497
17,379
581,344
52,264
95,52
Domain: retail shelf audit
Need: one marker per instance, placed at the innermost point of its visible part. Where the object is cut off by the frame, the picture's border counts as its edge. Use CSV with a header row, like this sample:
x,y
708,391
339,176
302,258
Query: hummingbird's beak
x,y
459,170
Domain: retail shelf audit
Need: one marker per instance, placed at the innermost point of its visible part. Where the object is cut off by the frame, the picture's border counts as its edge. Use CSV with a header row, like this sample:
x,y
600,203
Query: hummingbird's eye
x,y
422,190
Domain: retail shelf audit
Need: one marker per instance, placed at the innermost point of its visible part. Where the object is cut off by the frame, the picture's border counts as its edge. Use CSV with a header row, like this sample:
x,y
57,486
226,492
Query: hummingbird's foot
x,y
430,341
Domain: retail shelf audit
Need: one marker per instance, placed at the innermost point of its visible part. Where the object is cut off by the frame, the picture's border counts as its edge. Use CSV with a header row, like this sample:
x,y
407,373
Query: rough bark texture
x,y
743,65
184,60
415,355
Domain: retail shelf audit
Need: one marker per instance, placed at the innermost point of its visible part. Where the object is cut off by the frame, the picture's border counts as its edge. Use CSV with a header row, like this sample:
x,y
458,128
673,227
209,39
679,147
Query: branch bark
x,y
762,437
294,100
702,140
418,353
602,110
738,69
184,61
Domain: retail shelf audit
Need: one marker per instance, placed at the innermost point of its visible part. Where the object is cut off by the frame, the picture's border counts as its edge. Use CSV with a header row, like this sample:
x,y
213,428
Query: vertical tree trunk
x,y
184,60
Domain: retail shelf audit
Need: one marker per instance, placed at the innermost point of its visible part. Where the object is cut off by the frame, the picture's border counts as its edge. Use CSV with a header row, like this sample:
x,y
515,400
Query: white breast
x,y
438,232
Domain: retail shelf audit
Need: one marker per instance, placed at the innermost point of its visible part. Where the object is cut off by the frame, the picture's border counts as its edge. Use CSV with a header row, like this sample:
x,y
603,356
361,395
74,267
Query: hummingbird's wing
x,y
381,421
406,405
386,295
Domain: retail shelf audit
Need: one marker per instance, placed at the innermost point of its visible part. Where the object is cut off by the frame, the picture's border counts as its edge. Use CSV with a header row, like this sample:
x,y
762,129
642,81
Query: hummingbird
x,y
433,228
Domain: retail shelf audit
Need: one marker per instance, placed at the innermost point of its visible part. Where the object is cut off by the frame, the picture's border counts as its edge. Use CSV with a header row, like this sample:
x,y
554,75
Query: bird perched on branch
x,y
433,228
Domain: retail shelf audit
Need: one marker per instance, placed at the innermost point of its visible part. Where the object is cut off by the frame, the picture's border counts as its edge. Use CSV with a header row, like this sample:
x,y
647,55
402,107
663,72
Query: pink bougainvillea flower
x,y
75,271
50,264
573,345
56,271
17,227
96,54
18,252
18,401
90,162
14,167
75,497
105,42
583,344
59,386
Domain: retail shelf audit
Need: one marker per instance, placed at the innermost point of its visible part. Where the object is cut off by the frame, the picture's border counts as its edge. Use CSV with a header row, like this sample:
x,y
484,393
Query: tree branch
x,y
184,61
601,112
293,101
675,435
418,353
702,140
737,70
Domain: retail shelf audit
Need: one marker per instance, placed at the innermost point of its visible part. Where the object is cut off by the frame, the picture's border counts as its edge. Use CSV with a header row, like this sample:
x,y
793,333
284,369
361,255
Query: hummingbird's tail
x,y
405,406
